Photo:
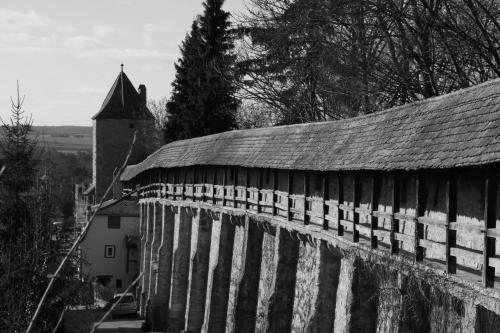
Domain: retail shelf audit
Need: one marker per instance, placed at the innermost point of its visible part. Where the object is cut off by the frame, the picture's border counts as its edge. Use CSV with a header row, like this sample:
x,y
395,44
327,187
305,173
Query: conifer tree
x,y
25,230
203,98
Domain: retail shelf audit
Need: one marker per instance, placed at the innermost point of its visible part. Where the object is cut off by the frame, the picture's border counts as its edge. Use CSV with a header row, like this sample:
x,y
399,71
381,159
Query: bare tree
x,y
158,108
330,59
252,114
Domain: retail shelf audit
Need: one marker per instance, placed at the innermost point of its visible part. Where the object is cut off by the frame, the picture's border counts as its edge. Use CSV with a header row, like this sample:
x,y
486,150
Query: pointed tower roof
x,y
123,101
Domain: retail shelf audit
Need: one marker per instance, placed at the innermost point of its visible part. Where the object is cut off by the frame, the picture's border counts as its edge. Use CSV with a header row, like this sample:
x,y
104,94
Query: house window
x,y
113,222
109,251
118,283
104,279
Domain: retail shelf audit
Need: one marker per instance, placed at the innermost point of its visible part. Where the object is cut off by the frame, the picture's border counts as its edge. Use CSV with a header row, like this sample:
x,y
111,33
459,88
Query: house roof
x,y
123,102
454,130
117,207
122,207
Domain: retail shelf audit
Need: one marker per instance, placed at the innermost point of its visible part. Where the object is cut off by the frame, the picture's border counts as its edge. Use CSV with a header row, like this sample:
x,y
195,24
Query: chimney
x,y
142,93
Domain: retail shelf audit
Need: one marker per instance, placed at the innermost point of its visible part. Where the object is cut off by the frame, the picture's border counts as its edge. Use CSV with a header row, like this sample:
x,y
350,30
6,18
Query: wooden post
x,y
175,179
275,188
451,216
235,184
395,209
159,184
139,192
164,182
289,200
200,181
259,187
246,188
224,181
196,181
340,212
183,188
306,194
355,204
419,227
205,182
214,180
326,185
374,207
489,222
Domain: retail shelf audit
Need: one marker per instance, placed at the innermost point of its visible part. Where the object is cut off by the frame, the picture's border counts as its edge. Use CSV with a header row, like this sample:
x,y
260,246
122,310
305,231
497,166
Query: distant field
x,y
66,144
67,139
64,130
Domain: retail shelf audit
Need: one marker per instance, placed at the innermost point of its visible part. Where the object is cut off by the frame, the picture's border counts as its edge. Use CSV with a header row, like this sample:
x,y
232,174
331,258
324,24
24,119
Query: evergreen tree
x,y
25,229
203,98
18,151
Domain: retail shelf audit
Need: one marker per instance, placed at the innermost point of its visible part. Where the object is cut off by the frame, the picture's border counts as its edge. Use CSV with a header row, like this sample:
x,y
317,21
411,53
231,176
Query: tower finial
x,y
121,67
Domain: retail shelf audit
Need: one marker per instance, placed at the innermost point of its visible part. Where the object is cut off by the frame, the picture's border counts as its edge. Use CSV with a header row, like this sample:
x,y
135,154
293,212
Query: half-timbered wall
x,y
265,245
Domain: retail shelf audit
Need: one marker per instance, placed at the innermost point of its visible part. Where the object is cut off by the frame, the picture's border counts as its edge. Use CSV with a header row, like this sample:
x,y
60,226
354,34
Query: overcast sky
x,y
67,53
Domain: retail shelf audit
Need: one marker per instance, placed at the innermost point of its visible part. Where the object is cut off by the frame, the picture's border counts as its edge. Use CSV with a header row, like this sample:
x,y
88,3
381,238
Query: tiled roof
x,y
122,101
122,207
454,130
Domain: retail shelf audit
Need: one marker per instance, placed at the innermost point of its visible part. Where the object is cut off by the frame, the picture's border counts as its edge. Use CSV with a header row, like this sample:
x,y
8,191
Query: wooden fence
x,y
447,217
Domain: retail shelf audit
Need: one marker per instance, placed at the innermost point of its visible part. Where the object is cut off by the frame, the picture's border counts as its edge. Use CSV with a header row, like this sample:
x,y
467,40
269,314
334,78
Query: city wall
x,y
233,249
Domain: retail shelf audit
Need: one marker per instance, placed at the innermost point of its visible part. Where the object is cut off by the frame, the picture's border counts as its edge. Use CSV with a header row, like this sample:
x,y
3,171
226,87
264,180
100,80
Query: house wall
x,y
92,248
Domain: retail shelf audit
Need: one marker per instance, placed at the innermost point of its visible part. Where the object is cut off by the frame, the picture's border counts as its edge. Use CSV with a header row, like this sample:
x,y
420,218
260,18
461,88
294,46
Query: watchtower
x,y
123,113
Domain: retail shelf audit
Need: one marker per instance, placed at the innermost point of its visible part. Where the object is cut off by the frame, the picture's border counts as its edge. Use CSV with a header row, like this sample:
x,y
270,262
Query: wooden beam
x,y
183,189
224,181
164,181
451,216
200,180
489,222
326,196
175,178
419,227
340,212
275,188
355,202
205,181
214,180
374,206
289,190
235,183
395,209
259,188
306,194
246,188
167,175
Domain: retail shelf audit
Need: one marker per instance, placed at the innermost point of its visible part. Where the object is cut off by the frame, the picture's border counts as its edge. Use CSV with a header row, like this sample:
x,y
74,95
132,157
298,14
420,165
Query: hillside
x,y
63,130
66,139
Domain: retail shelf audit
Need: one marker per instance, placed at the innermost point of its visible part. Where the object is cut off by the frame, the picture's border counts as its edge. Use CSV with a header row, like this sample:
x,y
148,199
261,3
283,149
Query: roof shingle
x,y
454,130
122,102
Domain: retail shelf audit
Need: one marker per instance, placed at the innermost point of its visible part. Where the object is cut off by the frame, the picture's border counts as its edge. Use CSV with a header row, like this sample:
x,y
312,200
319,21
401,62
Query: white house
x,y
110,247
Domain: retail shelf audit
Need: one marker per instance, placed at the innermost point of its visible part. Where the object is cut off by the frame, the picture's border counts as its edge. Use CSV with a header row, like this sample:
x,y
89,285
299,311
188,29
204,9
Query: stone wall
x,y
227,272
112,139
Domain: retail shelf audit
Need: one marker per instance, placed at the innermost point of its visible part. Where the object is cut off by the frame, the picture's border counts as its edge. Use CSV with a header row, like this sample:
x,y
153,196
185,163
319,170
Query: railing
x,y
389,229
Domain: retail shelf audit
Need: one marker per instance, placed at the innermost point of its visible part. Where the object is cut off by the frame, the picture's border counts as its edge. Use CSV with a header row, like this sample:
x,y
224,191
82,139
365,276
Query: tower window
x,y
109,251
113,222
